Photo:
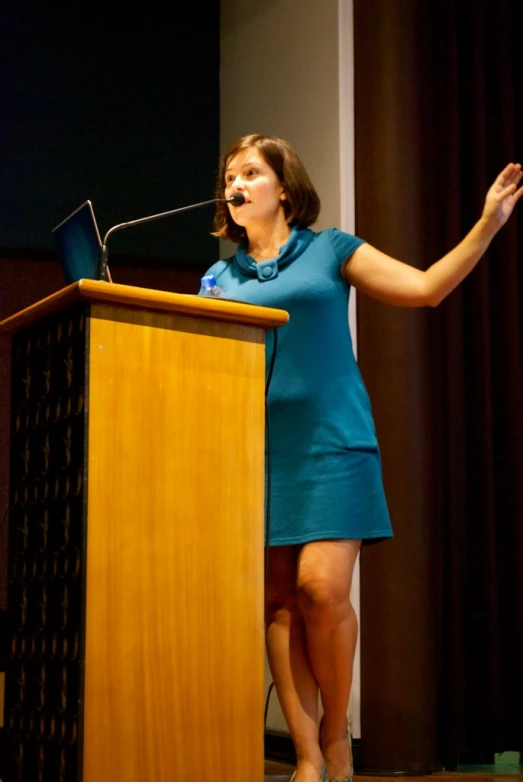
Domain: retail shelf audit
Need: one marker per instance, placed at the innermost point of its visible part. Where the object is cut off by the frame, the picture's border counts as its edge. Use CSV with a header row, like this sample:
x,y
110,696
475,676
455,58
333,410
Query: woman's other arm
x,y
394,282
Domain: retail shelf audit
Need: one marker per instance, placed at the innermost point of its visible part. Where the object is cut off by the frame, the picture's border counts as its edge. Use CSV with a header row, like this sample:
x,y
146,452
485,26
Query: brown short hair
x,y
302,205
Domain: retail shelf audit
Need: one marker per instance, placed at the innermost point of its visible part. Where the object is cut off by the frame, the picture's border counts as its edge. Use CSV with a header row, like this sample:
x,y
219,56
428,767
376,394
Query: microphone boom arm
x,y
103,254
149,219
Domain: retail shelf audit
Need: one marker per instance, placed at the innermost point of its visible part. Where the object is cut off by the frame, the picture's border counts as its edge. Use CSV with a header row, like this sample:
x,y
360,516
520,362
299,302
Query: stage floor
x,y
282,772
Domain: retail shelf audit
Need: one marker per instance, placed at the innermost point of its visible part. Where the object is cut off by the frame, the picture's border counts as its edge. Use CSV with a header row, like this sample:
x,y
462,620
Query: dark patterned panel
x,y
47,550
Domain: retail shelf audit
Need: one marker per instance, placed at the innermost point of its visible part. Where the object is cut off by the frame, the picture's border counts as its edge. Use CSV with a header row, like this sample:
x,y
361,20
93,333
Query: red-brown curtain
x,y
439,112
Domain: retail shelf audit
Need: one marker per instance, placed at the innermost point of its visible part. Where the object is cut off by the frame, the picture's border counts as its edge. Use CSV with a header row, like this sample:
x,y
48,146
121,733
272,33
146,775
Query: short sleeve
x,y
343,244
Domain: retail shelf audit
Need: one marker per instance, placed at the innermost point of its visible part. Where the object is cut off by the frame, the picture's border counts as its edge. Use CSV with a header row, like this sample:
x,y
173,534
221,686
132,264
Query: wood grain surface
x,y
174,615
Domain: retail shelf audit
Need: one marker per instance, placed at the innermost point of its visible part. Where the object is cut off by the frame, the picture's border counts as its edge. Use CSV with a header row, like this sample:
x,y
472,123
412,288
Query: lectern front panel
x,y
135,594
46,560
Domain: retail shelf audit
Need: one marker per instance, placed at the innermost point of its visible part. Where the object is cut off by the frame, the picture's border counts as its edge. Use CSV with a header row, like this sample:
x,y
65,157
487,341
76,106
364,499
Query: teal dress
x,y
323,477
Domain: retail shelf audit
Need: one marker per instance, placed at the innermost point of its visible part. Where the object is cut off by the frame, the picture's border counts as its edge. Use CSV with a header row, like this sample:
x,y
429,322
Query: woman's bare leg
x,y
324,581
295,684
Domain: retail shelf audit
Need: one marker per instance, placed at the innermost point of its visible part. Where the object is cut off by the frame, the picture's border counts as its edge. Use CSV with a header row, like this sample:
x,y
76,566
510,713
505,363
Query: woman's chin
x,y
240,220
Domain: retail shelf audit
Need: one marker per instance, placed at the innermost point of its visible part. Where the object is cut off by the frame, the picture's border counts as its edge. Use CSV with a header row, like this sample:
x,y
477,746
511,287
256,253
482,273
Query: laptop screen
x,y
78,243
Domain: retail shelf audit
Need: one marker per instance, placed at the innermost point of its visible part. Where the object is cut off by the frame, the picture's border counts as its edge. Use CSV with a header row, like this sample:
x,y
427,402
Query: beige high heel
x,y
324,777
323,772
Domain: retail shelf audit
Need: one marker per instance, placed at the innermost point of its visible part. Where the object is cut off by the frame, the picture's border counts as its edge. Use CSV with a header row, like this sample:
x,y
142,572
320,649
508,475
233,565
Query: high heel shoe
x,y
324,776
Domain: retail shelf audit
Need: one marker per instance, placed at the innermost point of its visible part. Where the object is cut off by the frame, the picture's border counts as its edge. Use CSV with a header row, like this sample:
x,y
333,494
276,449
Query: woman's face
x,y
249,173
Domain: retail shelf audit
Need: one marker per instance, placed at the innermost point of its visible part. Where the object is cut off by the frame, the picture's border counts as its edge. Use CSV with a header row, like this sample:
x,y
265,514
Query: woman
x,y
324,472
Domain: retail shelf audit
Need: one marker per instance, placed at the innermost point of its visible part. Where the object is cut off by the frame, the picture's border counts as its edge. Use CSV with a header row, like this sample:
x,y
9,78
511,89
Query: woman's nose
x,y
237,183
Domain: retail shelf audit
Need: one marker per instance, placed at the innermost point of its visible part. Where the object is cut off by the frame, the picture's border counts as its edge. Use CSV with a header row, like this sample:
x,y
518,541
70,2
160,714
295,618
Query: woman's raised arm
x,y
395,282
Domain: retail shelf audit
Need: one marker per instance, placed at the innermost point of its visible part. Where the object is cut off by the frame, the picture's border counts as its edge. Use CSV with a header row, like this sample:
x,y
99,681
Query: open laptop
x,y
77,240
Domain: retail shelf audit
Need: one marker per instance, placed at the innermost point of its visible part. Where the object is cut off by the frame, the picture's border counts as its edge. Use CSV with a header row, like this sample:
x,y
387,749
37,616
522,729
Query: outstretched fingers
x,y
504,194
517,195
510,175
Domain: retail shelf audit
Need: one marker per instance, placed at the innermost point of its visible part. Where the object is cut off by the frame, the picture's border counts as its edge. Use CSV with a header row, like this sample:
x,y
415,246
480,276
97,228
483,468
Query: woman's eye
x,y
253,172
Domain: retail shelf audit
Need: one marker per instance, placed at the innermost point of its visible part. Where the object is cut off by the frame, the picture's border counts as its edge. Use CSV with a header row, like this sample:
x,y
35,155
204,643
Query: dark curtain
x,y
476,113
439,112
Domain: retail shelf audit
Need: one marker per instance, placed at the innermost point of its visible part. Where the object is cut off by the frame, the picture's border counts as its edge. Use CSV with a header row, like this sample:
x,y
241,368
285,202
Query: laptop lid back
x,y
78,243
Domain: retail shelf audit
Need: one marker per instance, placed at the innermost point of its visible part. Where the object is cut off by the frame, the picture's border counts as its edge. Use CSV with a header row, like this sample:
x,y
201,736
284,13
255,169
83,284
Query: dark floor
x,y
277,772
282,772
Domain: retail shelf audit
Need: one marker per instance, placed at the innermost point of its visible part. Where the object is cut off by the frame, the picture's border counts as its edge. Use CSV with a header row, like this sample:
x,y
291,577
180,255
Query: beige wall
x,y
279,76
286,70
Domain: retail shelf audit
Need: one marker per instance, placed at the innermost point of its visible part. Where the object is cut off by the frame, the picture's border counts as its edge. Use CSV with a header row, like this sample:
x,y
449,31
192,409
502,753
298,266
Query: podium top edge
x,y
146,298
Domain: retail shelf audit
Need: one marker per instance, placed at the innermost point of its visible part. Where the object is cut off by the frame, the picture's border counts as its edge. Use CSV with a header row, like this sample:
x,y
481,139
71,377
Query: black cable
x,y
268,497
271,367
268,455
271,685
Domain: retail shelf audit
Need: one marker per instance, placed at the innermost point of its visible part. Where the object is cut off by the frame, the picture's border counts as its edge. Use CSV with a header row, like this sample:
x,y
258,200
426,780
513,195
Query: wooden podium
x,y
135,560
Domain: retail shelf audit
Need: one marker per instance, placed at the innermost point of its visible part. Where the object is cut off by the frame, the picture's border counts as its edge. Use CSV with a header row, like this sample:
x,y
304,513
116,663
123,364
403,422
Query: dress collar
x,y
298,241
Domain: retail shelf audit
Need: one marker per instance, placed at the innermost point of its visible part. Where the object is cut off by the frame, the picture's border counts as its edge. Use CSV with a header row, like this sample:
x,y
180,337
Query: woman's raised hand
x,y
503,195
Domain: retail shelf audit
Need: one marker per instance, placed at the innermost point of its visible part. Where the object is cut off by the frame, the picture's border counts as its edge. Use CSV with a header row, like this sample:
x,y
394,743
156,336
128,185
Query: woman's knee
x,y
323,599
280,592
280,604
